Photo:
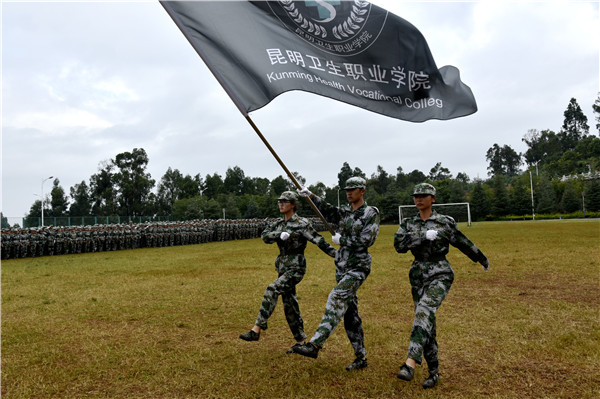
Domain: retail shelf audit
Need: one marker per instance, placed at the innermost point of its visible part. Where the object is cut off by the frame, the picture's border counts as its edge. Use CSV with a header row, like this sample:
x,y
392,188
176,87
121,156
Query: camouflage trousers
x,y
343,302
428,298
285,285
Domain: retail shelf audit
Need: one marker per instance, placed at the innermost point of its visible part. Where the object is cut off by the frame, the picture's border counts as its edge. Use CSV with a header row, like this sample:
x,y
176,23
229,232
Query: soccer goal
x,y
460,211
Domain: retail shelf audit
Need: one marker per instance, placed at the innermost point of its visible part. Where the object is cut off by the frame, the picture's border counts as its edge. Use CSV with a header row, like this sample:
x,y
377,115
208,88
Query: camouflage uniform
x,y
430,276
359,229
291,267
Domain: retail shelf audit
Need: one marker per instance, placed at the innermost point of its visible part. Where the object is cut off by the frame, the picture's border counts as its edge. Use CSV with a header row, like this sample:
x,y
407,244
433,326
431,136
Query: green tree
x,y
59,203
480,203
234,181
570,201
401,180
592,196
213,185
520,198
260,186
174,186
103,192
81,205
500,198
252,210
279,185
544,149
546,196
228,202
35,210
380,180
503,161
213,209
168,191
438,172
133,184
574,126
415,177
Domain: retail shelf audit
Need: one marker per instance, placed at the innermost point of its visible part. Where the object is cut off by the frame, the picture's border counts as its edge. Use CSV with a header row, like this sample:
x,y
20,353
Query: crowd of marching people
x,y
60,240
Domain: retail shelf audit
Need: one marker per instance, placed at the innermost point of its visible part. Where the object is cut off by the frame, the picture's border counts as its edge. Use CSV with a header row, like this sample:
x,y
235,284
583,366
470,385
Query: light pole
x,y
532,206
44,181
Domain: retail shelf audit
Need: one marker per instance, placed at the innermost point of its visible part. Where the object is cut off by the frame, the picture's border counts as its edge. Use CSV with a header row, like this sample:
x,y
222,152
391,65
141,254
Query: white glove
x,y
431,235
284,235
304,192
336,238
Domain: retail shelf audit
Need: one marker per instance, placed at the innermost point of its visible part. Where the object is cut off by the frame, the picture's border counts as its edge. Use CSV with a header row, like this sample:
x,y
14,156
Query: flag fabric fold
x,y
350,51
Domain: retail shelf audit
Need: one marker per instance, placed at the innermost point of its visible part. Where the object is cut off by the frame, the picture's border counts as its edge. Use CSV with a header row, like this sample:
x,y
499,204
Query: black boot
x,y
309,350
250,336
432,380
293,348
358,364
406,372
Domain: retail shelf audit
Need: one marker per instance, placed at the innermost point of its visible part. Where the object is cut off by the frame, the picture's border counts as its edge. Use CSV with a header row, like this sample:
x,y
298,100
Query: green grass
x,y
164,323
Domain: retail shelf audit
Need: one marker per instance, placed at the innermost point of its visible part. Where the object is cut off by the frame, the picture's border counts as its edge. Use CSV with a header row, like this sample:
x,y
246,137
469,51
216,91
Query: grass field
x,y
164,323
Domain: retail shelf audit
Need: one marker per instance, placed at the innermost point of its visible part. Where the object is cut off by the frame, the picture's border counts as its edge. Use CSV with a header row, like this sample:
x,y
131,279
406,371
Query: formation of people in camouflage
x,y
291,234
61,240
428,236
358,227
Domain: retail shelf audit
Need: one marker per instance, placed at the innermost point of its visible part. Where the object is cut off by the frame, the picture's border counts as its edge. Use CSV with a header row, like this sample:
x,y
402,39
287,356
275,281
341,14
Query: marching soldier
x,y
291,234
428,236
358,229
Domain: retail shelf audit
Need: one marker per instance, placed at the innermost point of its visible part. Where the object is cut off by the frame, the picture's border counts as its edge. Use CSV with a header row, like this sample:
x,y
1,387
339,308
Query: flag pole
x,y
287,171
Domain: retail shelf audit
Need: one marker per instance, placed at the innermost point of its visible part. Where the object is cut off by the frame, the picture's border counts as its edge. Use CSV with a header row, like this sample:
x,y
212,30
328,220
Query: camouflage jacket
x,y
358,228
411,236
301,231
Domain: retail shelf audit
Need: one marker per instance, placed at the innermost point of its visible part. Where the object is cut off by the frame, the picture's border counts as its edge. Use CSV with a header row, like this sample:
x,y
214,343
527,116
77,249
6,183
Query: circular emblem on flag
x,y
334,26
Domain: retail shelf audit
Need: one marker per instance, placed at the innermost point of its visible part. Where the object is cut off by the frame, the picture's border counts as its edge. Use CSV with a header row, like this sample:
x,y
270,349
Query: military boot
x,y
309,350
406,372
250,336
432,380
293,348
358,364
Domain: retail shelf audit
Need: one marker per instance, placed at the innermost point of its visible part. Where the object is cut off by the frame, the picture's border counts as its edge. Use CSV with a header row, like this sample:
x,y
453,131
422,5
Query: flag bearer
x,y
358,228
291,234
428,236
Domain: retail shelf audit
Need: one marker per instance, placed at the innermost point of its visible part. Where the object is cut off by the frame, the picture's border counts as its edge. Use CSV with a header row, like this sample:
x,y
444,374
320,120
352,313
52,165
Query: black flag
x,y
350,51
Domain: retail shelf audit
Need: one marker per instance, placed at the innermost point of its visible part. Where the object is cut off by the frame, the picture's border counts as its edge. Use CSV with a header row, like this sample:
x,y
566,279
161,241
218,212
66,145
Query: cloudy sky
x,y
85,81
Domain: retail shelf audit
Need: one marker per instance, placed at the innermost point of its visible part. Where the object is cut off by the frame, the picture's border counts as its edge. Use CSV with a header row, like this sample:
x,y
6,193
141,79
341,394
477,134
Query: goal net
x,y
460,211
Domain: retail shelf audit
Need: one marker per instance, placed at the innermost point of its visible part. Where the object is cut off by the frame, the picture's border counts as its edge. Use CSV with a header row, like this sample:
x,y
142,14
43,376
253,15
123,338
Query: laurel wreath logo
x,y
343,30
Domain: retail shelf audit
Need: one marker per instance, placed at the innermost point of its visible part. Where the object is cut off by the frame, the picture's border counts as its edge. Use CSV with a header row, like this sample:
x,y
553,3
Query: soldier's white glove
x,y
431,235
336,238
284,235
304,192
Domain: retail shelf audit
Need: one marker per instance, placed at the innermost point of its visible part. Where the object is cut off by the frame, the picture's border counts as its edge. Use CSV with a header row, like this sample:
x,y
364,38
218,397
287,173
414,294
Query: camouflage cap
x,y
289,196
423,189
355,182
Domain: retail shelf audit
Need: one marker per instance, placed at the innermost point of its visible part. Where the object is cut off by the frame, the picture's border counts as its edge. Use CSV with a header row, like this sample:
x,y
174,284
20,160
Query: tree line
x,y
563,167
